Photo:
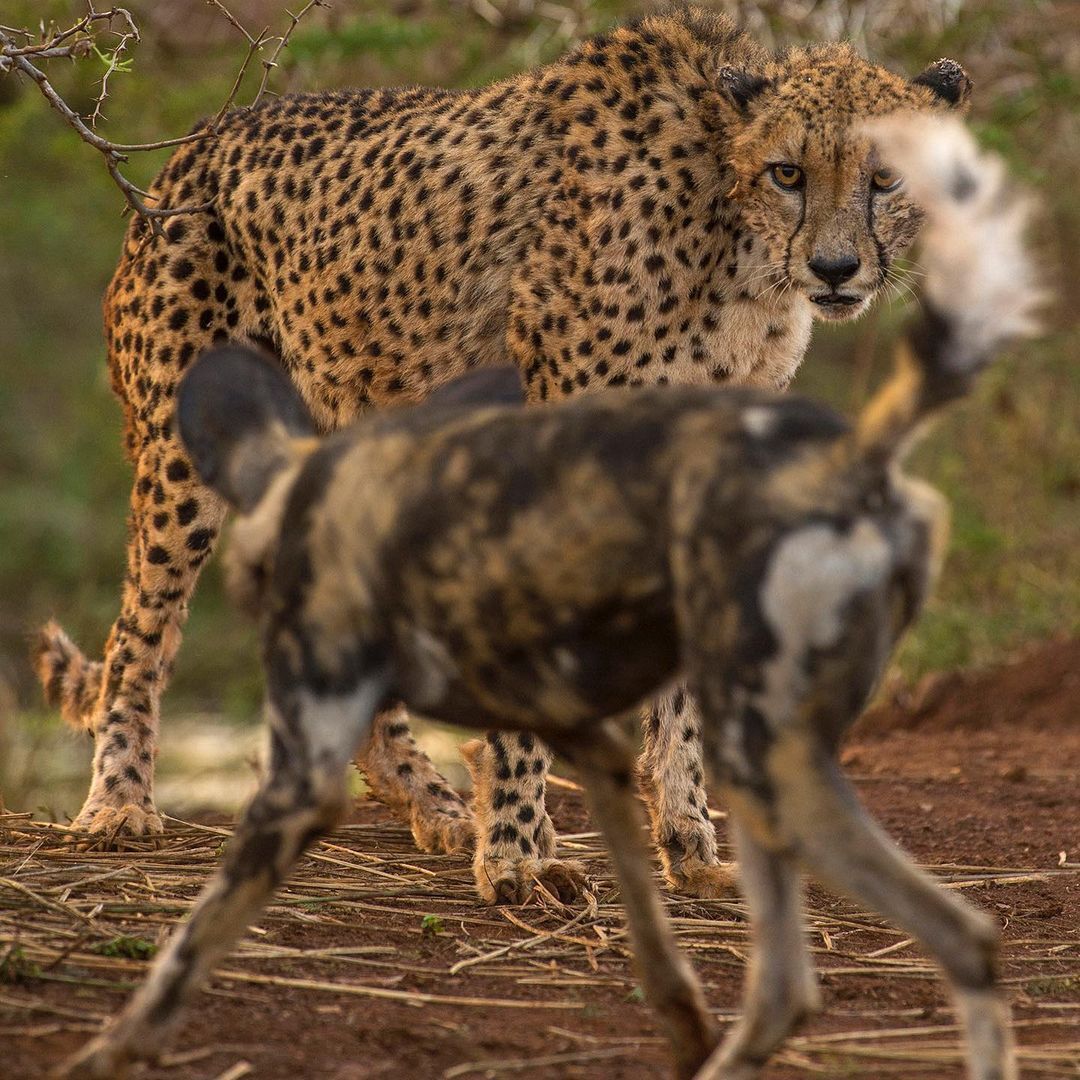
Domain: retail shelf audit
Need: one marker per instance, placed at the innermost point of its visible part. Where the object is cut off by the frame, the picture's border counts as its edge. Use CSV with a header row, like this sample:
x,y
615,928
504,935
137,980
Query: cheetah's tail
x,y
981,287
70,680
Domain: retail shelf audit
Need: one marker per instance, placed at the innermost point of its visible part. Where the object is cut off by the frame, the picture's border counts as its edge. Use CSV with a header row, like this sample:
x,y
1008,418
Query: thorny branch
x,y
116,62
23,52
283,41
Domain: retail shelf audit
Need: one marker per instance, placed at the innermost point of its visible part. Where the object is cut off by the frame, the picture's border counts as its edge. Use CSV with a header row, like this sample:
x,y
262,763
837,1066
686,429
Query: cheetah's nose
x,y
834,271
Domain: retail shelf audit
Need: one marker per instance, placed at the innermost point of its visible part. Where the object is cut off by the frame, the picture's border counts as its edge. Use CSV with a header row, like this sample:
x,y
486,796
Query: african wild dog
x,y
543,570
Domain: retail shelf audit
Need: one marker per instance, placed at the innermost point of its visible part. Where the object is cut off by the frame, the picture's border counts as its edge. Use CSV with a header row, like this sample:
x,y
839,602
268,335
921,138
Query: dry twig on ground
x,y
340,928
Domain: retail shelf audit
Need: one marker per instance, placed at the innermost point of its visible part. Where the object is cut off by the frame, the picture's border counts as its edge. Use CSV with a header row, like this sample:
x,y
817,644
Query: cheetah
x,y
669,203
760,546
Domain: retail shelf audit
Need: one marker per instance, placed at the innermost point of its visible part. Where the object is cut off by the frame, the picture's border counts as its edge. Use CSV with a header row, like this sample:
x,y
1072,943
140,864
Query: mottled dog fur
x,y
617,217
543,570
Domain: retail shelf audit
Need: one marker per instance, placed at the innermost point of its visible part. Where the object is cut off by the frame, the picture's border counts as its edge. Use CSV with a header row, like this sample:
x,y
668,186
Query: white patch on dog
x,y
431,669
812,576
759,421
566,662
333,726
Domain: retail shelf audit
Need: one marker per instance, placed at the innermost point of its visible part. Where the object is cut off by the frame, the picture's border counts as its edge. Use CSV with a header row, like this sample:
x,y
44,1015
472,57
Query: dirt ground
x,y
378,962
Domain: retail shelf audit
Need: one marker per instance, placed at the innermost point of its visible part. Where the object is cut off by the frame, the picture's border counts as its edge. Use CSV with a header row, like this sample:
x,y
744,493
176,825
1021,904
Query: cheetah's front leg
x,y
672,781
515,840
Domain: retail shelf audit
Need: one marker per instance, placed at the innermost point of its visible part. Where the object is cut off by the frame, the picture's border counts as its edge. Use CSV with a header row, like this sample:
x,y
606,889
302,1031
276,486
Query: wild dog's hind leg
x,y
840,845
402,776
605,762
780,984
304,794
672,780
816,635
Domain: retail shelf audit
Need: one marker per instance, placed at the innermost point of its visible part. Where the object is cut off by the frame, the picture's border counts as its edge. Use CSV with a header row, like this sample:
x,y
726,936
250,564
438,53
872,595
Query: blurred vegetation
x,y
1009,459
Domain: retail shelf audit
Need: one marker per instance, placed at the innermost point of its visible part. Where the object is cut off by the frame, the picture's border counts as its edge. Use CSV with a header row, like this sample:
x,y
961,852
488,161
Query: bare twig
x,y
283,41
115,62
22,52
233,20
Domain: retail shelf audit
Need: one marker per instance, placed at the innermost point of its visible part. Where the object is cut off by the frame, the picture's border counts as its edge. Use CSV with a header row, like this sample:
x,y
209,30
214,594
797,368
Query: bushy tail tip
x,y
980,274
981,288
70,681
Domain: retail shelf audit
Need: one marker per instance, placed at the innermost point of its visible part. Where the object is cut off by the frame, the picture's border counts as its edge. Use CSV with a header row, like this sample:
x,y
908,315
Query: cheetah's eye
x,y
787,176
886,180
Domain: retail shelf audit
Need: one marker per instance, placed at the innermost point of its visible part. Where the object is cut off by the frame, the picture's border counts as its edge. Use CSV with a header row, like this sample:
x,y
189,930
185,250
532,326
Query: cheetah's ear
x,y
948,81
238,415
741,88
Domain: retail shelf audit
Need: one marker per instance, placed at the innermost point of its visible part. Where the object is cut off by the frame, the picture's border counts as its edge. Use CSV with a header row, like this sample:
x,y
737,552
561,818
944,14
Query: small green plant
x,y
636,996
15,968
1052,984
431,925
126,947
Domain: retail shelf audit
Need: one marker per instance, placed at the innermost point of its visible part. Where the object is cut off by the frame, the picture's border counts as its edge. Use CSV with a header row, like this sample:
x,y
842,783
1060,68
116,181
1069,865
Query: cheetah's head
x,y
832,216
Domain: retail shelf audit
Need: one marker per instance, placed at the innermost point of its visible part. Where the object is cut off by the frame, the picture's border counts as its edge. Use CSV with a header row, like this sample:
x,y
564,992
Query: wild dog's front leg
x,y
515,840
672,780
402,776
304,795
274,832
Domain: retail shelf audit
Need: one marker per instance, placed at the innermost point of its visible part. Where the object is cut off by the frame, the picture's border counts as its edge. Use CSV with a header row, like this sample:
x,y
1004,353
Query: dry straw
x,y
91,918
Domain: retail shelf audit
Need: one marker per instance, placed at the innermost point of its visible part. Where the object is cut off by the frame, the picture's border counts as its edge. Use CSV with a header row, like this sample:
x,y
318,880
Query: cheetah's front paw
x,y
513,881
687,850
108,825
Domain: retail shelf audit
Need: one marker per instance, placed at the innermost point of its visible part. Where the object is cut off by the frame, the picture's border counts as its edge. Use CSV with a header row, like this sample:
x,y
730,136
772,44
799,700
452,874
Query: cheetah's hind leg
x,y
174,522
402,777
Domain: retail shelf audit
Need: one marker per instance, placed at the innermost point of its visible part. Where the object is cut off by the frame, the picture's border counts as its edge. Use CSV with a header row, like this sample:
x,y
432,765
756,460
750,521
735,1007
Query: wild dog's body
x,y
610,219
530,570
463,514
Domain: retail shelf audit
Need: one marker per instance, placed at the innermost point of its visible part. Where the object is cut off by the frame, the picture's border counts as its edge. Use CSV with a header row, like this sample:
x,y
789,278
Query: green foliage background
x,y
1009,459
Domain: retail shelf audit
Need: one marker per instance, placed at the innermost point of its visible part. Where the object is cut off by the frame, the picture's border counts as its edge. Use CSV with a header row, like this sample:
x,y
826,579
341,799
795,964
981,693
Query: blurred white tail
x,y
980,289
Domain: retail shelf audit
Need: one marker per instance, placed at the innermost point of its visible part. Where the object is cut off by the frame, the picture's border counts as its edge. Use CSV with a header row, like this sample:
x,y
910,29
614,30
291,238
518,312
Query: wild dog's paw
x,y
99,1059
